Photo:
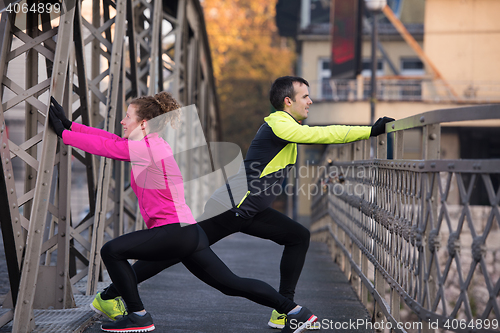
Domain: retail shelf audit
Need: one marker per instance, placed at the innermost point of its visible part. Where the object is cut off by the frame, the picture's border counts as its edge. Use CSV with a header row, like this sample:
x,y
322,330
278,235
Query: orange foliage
x,y
244,33
247,54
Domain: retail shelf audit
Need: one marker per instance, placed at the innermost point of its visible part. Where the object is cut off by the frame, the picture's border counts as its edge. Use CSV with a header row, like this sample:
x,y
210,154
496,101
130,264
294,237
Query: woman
x,y
172,232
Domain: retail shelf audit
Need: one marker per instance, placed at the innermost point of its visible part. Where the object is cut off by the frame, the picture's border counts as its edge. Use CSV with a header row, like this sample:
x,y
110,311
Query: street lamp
x,y
375,7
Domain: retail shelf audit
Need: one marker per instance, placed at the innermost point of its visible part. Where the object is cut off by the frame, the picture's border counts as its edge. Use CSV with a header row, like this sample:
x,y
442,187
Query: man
x,y
272,153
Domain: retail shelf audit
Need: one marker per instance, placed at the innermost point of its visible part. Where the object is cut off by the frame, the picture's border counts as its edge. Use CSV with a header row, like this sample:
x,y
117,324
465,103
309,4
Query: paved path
x,y
179,302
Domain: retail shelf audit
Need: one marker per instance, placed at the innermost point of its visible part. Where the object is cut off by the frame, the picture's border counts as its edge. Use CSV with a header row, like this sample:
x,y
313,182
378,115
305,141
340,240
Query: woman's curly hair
x,y
150,107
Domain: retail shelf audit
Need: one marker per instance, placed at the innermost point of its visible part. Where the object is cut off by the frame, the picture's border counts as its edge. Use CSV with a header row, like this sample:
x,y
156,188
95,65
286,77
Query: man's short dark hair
x,y
283,87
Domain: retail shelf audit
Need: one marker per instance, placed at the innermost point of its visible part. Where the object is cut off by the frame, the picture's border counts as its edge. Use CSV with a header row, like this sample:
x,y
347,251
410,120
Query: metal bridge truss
x,y
93,58
406,233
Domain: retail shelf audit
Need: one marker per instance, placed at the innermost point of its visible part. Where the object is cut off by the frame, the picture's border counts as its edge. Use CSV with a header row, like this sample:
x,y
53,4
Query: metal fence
x,y
406,89
419,254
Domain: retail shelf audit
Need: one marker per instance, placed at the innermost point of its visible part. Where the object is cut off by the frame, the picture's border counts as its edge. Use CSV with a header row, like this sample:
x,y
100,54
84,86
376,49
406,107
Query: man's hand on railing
x,y
379,126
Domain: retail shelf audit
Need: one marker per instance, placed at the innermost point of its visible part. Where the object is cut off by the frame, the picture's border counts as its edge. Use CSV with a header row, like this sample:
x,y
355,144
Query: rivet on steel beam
x,y
30,177
5,146
422,119
61,273
382,142
63,234
37,231
13,205
60,299
44,184
379,314
393,126
46,171
25,302
61,286
59,73
433,165
65,153
11,191
421,165
9,176
63,218
433,136
414,165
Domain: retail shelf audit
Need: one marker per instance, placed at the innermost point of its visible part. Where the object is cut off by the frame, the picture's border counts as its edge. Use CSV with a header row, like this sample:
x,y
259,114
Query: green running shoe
x,y
112,308
277,320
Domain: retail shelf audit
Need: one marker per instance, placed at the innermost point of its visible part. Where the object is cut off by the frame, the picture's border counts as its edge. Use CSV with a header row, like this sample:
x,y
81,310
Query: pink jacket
x,y
155,176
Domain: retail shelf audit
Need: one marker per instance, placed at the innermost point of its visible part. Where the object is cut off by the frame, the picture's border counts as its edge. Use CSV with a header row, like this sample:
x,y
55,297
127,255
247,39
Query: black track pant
x,y
188,244
268,224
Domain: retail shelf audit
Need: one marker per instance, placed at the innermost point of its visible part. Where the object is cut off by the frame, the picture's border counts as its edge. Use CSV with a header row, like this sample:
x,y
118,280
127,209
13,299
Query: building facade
x,y
459,39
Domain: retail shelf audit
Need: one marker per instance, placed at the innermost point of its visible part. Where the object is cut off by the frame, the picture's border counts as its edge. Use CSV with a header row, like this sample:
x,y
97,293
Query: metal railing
x,y
406,89
419,254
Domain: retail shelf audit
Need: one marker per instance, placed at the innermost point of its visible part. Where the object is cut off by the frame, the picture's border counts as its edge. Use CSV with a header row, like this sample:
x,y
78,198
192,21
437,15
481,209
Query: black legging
x,y
268,224
188,244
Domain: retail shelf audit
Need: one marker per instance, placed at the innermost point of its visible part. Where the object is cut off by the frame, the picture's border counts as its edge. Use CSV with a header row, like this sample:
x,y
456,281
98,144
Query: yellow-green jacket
x,y
274,150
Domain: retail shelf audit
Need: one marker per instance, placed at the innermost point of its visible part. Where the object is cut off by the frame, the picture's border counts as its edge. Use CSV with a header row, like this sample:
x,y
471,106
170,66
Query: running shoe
x,y
112,308
277,320
299,322
130,323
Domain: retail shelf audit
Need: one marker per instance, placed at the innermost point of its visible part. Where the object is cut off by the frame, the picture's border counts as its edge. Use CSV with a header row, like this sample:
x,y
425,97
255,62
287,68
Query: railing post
x,y
378,315
398,145
356,252
395,299
382,147
430,151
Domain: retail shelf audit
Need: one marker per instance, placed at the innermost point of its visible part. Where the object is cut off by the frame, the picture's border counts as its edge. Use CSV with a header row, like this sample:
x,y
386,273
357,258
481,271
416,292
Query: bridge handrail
x,y
410,234
482,112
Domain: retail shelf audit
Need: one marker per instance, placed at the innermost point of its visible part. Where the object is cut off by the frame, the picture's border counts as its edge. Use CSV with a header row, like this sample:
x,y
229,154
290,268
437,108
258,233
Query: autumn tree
x,y
247,54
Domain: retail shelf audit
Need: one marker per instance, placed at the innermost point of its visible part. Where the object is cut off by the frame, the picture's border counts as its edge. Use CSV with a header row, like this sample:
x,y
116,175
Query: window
x,y
366,67
320,11
412,89
412,67
325,92
337,90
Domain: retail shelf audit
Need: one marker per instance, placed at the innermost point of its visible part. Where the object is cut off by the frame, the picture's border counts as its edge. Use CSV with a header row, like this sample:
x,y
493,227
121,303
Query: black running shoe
x,y
131,323
299,322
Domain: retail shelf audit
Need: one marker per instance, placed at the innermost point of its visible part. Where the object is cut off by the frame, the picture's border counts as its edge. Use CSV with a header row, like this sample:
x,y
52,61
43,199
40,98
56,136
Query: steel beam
x,y
111,81
106,165
23,311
